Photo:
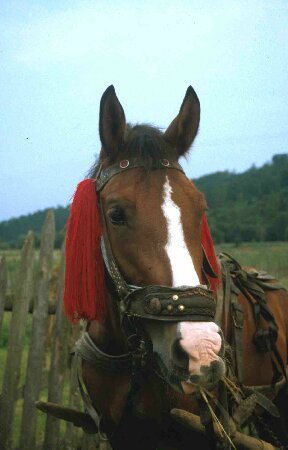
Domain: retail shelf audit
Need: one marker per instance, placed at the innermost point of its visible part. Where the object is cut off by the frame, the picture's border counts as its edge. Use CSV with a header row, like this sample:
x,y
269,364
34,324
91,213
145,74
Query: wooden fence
x,y
34,303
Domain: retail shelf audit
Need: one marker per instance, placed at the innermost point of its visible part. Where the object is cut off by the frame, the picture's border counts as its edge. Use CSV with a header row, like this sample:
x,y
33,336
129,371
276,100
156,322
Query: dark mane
x,y
141,141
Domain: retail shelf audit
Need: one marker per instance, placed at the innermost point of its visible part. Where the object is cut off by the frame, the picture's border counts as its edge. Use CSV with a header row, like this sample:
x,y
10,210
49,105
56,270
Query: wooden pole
x,y
15,343
39,324
59,361
72,434
240,440
3,287
9,302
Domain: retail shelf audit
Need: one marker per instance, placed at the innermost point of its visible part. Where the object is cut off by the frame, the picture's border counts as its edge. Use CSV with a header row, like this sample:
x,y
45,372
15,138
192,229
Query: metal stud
x,y
181,308
165,162
124,163
170,308
175,298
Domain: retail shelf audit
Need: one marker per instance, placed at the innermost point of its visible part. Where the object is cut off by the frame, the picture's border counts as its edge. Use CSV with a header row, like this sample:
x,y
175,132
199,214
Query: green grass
x,y
269,256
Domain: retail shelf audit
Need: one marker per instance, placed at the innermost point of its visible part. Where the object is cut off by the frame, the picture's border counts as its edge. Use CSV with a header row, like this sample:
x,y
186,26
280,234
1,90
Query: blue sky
x,y
57,58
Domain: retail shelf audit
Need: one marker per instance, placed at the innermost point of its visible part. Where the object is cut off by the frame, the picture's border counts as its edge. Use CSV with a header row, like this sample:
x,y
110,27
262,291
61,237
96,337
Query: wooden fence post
x,y
59,361
73,434
15,344
39,325
3,287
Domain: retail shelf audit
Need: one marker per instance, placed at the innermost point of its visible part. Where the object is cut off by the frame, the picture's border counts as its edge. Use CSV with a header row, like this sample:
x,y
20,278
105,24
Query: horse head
x,y
152,215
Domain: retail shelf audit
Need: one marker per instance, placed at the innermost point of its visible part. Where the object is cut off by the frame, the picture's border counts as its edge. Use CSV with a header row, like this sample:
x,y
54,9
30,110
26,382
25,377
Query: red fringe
x,y
207,243
84,291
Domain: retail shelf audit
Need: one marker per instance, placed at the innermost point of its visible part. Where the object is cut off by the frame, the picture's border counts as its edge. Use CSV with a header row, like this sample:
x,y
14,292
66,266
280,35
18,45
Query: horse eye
x,y
117,217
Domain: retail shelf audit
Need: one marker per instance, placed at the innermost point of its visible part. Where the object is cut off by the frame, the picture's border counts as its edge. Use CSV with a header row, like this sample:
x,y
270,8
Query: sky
x,y
58,57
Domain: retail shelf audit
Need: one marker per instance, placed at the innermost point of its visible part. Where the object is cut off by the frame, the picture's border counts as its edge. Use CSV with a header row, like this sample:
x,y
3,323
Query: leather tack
x,y
167,303
155,305
105,174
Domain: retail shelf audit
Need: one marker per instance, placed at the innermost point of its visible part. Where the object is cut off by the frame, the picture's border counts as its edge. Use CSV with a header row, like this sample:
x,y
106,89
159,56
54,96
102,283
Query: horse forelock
x,y
142,141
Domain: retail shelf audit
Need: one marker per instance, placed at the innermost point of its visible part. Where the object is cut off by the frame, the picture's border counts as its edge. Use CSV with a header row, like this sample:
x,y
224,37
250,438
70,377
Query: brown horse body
x,y
135,409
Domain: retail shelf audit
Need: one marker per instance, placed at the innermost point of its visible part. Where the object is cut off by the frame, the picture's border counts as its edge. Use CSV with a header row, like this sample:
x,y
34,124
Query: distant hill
x,y
251,206
13,231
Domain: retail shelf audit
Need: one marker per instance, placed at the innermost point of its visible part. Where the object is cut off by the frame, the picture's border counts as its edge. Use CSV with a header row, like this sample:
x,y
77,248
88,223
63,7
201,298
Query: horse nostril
x,y
213,372
179,357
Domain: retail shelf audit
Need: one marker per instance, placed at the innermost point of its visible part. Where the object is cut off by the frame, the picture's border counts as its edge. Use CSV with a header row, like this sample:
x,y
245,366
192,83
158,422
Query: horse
x,y
152,341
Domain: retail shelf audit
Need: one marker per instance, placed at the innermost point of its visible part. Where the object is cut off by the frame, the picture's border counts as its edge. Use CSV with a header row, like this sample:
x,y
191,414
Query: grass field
x,y
269,256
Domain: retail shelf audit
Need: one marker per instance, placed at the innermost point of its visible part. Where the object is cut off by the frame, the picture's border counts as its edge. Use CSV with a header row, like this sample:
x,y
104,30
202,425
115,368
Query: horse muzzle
x,y
198,350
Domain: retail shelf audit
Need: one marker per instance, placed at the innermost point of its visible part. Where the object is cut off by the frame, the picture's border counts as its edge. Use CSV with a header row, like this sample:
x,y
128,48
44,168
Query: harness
x,y
253,285
185,303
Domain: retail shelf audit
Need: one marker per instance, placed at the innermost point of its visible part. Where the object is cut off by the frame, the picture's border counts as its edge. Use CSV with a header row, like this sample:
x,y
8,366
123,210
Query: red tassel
x,y
208,246
84,292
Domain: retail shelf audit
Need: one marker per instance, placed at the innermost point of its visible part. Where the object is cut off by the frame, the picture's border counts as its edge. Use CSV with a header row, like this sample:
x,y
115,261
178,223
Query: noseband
x,y
163,303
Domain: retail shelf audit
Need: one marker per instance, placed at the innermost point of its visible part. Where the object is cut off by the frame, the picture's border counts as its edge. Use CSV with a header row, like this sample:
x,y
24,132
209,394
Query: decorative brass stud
x,y
175,298
165,162
181,308
124,163
155,305
170,308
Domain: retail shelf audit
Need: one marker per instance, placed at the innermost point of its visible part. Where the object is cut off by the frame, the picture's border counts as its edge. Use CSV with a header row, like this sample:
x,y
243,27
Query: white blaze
x,y
183,270
199,340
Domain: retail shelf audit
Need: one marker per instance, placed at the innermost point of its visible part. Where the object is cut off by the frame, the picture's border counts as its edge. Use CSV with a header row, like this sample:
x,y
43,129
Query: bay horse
x,y
152,339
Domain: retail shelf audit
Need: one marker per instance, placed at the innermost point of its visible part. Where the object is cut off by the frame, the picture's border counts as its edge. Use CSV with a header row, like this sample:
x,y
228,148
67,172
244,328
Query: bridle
x,y
162,303
137,304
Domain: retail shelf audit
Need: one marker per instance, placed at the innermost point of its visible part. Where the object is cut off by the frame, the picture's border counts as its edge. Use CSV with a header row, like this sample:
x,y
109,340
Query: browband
x,y
105,174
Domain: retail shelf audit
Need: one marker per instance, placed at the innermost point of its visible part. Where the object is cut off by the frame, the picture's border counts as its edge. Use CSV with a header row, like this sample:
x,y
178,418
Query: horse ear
x,y
112,123
183,129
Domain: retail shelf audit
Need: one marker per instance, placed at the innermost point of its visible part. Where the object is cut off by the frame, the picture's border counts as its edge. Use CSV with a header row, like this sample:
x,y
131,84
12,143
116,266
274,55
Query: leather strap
x,y
165,303
105,174
109,260
253,285
231,308
88,350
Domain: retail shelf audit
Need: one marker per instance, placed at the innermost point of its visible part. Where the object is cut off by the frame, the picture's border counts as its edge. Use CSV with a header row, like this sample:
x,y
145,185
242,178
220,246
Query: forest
x,y
245,207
